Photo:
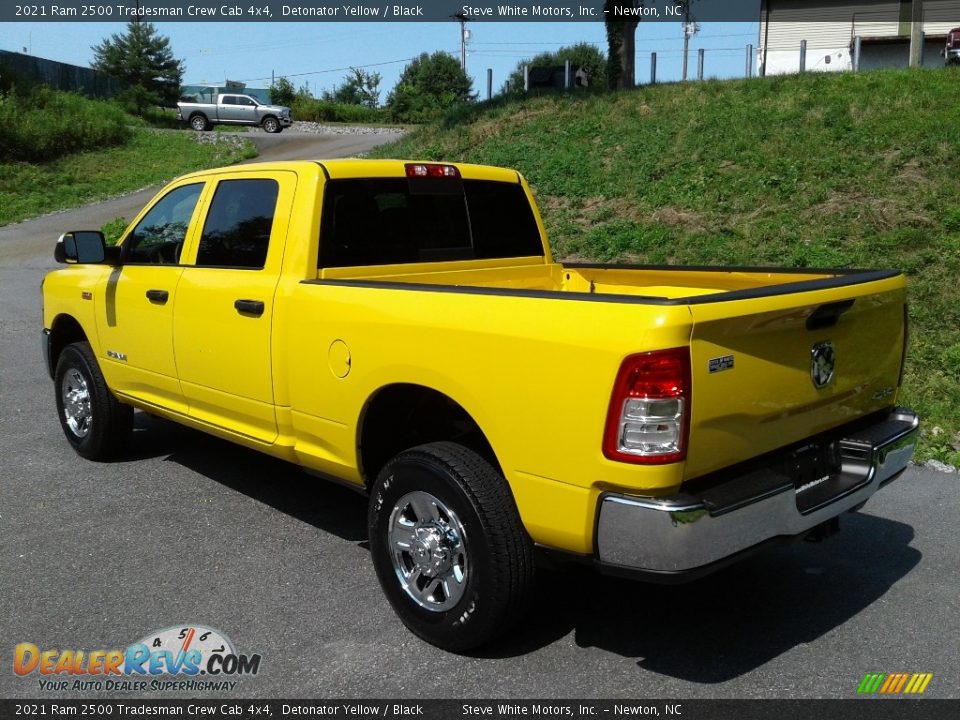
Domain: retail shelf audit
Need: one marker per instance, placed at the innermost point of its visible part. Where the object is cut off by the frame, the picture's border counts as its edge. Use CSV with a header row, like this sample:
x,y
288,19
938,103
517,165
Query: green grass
x,y
149,157
837,170
43,124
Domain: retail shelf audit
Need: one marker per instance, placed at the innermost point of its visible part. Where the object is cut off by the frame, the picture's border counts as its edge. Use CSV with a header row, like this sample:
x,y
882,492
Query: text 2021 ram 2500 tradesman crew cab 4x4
x,y
403,327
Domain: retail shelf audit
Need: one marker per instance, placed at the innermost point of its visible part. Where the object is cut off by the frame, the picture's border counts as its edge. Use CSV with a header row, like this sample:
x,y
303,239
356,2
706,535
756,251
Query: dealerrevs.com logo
x,y
182,657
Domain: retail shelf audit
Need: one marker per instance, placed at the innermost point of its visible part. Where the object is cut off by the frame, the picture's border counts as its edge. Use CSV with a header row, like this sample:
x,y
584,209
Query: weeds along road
x,y
188,529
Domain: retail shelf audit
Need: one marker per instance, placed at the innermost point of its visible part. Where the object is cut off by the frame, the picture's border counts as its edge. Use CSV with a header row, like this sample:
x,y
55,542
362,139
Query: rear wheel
x,y
448,546
199,123
95,423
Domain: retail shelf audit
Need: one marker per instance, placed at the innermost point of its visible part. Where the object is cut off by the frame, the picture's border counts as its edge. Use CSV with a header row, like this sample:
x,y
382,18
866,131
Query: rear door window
x,y
237,230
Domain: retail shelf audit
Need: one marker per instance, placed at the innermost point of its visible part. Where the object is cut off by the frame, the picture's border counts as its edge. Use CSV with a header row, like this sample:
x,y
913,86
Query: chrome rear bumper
x,y
685,533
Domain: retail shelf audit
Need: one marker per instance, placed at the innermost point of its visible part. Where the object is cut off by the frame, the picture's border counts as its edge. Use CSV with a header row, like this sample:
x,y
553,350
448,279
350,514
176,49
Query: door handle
x,y
249,307
158,296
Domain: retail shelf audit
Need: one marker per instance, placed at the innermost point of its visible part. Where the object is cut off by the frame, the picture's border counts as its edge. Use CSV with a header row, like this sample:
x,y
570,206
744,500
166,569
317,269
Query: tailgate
x,y
761,367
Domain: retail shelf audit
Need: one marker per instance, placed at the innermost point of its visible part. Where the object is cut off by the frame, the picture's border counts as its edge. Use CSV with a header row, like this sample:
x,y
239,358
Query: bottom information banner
x,y
884,709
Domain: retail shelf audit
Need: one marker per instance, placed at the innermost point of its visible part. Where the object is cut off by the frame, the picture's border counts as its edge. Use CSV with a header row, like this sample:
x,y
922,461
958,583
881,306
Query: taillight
x,y
431,170
903,352
649,416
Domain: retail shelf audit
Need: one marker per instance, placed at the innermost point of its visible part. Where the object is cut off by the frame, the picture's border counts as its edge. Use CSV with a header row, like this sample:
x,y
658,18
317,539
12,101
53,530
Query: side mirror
x,y
83,247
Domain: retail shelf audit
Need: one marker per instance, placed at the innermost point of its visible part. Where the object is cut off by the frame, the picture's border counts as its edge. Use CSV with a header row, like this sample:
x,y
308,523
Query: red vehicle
x,y
952,51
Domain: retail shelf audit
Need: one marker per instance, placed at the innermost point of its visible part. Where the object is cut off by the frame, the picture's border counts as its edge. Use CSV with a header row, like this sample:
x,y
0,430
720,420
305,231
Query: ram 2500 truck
x,y
234,110
402,327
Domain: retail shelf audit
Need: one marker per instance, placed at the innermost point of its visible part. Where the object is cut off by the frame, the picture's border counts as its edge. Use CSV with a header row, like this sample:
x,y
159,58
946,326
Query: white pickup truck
x,y
235,109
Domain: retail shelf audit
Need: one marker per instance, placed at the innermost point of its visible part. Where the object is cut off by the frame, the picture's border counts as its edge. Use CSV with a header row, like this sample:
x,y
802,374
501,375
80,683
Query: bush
x,y
312,110
428,87
113,230
160,117
582,55
44,124
282,92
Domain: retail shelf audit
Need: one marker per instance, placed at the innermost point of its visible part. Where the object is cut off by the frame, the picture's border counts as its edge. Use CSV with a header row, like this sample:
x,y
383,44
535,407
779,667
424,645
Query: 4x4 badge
x,y
823,360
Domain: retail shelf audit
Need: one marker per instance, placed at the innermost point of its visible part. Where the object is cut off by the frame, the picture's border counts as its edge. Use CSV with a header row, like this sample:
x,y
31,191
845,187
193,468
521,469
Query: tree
x,y
143,60
621,37
621,48
359,88
582,55
282,92
428,86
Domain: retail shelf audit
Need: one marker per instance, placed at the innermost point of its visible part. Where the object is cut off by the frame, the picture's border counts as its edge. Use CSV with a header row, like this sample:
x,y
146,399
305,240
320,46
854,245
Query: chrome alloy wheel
x,y
76,403
428,546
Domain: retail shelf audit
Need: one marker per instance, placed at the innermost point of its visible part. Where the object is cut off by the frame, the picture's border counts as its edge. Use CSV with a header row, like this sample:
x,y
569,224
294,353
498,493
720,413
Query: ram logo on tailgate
x,y
823,359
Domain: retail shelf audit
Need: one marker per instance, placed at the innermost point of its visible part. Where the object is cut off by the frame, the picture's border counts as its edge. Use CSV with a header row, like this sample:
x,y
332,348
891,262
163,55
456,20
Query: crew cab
x,y
403,327
234,109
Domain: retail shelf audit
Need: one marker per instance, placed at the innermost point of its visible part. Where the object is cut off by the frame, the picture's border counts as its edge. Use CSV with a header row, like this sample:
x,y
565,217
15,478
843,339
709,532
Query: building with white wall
x,y
829,29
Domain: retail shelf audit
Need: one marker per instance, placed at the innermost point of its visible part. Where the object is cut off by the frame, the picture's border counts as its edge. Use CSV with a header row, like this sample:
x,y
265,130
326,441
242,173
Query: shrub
x,y
312,110
113,230
44,124
429,86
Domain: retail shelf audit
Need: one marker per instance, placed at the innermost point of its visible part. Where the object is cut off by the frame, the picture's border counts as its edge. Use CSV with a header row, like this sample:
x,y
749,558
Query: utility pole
x,y
463,19
690,28
916,33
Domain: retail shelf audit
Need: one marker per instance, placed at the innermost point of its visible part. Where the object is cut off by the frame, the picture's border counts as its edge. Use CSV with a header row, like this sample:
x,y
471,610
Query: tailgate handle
x,y
827,315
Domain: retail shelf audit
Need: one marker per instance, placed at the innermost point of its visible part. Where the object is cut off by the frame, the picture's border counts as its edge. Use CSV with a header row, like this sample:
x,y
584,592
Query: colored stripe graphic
x,y
871,683
918,683
894,683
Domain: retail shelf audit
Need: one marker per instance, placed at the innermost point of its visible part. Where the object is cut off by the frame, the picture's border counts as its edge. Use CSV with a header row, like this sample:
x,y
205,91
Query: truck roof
x,y
362,168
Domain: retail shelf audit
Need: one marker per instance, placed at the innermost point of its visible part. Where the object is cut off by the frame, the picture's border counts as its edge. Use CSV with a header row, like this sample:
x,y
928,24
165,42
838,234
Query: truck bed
x,y
753,335
653,284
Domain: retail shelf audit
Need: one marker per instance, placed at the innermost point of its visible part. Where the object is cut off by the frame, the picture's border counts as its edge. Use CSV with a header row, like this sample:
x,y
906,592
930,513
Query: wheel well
x,y
403,416
65,330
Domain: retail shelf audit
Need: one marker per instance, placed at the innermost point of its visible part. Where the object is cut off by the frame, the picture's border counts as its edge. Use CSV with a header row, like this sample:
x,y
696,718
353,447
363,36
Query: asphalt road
x,y
189,529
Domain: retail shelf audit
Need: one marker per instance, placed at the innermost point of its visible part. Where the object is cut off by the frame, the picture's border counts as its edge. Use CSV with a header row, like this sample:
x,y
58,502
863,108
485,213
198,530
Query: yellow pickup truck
x,y
402,327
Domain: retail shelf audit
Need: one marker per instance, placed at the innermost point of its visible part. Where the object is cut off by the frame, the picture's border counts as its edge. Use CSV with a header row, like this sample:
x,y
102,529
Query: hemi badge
x,y
86,295
720,363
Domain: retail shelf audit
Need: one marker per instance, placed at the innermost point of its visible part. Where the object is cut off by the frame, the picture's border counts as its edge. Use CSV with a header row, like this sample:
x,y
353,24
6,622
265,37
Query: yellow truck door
x,y
135,324
223,315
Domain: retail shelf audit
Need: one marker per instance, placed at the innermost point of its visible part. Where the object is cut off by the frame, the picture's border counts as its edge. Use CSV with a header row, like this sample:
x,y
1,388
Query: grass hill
x,y
820,170
61,150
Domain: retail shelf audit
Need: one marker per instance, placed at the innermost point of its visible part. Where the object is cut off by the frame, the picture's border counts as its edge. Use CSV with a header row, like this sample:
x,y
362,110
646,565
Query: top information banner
x,y
411,11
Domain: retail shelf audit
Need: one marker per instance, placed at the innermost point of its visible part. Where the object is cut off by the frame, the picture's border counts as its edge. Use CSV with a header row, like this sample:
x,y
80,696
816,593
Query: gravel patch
x,y
939,466
320,129
233,139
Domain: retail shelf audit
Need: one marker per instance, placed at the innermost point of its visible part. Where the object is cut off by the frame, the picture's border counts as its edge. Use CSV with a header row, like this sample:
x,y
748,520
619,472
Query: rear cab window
x,y
384,221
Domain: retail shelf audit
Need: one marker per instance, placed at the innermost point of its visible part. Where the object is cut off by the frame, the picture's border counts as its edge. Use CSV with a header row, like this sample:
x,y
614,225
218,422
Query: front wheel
x,y
95,423
448,546
271,125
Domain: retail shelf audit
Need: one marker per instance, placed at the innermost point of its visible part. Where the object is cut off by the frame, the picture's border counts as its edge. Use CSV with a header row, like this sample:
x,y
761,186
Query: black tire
x,y
271,124
199,123
496,553
78,382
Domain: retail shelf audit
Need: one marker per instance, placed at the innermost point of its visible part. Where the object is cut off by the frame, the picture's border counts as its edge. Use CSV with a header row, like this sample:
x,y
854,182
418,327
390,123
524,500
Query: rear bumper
x,y
689,533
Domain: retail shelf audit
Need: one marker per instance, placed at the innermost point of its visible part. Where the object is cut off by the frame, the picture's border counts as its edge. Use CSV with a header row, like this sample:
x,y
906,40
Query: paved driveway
x,y
189,529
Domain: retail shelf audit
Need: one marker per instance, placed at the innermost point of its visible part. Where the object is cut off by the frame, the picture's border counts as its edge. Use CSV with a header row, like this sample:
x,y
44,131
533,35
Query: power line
x,y
330,70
